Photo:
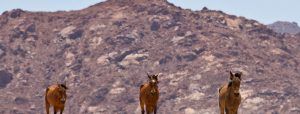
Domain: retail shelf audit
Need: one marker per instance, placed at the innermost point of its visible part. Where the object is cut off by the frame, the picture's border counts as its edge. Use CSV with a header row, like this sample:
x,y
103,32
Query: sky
x,y
264,11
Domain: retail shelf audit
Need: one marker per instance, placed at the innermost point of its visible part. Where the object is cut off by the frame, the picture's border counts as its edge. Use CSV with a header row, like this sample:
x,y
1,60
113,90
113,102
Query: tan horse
x,y
56,96
149,95
229,95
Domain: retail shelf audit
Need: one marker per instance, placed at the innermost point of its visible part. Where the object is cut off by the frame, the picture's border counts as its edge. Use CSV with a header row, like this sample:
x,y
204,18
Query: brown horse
x,y
229,95
149,95
56,96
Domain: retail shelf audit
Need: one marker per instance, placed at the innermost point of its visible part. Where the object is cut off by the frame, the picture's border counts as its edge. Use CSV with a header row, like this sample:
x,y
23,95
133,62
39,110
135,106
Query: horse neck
x,y
230,92
152,87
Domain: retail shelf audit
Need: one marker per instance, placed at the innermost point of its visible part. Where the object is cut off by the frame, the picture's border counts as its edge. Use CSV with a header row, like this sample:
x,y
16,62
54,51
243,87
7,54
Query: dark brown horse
x,y
149,95
56,96
229,95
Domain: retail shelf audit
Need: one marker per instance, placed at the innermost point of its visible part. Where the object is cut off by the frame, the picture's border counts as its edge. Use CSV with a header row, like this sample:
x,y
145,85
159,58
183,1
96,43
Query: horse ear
x,y
60,86
155,76
148,76
65,84
231,75
239,75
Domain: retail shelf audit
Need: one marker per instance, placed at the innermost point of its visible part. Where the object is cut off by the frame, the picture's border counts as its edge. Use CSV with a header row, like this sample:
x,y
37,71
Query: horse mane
x,y
230,83
142,86
220,89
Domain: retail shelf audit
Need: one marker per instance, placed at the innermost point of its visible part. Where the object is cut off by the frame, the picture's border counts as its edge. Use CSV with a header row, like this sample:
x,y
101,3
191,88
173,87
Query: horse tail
x,y
140,97
141,88
47,90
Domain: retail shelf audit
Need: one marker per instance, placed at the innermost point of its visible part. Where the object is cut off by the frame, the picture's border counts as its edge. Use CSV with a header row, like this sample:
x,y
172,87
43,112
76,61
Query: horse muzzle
x,y
237,94
63,100
153,91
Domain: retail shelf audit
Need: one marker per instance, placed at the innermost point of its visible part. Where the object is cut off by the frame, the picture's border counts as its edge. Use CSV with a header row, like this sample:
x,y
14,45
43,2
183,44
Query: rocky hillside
x,y
285,27
105,50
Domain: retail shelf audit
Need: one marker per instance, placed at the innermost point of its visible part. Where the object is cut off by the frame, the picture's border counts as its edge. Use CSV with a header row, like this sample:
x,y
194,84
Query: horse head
x,y
235,82
62,92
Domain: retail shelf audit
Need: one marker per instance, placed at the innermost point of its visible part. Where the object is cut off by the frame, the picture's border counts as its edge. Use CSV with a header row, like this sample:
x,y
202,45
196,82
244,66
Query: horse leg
x,y
142,106
222,108
235,112
148,109
61,110
55,110
155,109
47,106
227,111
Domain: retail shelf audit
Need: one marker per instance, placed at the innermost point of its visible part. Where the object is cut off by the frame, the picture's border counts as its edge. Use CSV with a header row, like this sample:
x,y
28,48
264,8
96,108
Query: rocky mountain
x,y
105,50
285,27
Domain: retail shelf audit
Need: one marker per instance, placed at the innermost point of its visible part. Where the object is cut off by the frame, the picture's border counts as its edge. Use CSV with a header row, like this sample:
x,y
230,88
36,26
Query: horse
x,y
149,94
56,96
229,95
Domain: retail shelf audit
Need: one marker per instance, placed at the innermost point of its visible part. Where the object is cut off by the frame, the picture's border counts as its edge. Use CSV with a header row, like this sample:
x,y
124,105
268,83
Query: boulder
x,y
5,78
